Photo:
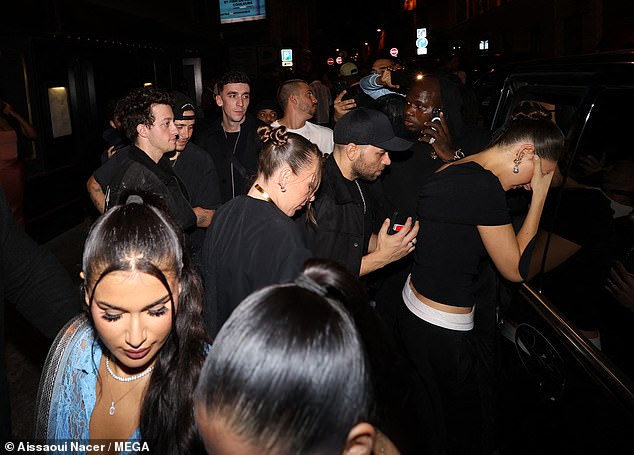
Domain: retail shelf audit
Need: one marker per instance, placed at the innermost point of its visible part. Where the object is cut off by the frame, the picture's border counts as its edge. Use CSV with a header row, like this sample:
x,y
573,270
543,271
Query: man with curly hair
x,y
148,121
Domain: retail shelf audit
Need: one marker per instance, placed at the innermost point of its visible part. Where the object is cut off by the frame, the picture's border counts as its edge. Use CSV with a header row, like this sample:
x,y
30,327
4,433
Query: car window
x,y
563,102
587,228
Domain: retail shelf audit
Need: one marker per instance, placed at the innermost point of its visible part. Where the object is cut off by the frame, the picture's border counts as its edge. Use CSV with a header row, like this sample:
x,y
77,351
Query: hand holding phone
x,y
397,221
435,119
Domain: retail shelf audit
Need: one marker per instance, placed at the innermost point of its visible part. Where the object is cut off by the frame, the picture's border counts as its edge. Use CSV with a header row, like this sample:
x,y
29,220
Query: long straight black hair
x,y
287,372
137,236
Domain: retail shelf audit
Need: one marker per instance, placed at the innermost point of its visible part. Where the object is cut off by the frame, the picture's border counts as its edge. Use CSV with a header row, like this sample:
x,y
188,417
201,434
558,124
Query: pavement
x,y
26,348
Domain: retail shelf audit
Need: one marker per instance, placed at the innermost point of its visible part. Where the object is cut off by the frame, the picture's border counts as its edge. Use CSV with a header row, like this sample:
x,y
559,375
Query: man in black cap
x,y
196,169
345,210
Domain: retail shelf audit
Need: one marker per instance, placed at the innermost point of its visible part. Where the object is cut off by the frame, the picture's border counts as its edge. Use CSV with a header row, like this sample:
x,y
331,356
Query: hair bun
x,y
306,282
530,110
278,136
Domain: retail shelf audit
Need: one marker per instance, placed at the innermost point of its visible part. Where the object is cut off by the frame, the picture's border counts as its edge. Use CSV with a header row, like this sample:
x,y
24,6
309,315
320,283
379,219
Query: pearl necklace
x,y
129,378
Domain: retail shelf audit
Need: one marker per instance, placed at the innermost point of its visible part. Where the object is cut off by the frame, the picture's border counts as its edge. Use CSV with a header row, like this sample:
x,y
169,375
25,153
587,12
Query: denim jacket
x,y
74,389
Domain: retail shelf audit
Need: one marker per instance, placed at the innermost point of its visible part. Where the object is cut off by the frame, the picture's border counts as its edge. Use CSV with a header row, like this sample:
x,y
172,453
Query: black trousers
x,y
447,361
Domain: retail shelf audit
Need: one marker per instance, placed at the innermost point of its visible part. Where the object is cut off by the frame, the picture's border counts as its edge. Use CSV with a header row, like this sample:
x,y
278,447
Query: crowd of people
x,y
264,283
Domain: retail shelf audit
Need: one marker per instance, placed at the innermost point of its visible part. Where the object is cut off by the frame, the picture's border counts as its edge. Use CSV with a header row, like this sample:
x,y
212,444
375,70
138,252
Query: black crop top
x,y
452,203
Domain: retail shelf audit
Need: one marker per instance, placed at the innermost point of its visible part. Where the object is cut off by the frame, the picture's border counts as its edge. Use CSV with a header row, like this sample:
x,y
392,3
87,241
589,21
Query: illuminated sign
x,y
421,41
241,10
394,52
287,57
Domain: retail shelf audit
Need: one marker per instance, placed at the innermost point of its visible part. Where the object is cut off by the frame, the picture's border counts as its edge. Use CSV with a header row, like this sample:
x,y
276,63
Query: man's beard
x,y
364,175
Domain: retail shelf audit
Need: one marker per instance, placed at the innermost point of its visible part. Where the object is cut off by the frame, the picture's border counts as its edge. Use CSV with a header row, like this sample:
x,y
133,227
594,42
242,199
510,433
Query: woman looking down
x,y
464,220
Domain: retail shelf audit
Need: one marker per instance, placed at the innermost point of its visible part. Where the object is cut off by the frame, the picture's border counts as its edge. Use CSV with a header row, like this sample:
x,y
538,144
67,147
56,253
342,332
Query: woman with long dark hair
x,y
288,373
128,372
464,221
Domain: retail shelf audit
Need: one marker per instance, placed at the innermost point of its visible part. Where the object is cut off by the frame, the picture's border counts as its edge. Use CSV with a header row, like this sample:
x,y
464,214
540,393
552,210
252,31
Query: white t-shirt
x,y
320,135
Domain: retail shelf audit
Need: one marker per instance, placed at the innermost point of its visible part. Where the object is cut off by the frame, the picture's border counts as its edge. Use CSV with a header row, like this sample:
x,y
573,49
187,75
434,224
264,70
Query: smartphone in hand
x,y
434,119
397,221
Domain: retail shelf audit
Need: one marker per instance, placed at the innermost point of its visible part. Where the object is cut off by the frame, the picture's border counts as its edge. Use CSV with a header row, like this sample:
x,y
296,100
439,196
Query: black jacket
x,y
237,167
339,232
136,171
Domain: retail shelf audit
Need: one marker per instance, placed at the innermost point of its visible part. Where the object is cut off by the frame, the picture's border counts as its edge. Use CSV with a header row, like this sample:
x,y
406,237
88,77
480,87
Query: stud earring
x,y
283,189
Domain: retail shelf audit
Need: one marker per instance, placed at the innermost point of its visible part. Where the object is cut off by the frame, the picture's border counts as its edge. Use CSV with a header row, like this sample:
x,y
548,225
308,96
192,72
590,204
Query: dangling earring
x,y
516,168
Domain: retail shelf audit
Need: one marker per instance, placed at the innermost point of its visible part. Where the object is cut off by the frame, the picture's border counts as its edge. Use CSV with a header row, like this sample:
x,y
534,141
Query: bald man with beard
x,y
434,143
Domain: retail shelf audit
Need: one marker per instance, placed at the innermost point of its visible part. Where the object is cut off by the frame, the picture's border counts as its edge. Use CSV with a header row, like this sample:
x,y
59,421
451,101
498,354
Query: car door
x,y
568,353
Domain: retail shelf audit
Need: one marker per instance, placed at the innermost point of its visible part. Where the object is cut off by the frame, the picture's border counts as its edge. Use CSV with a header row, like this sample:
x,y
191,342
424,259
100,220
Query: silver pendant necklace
x,y
362,198
113,402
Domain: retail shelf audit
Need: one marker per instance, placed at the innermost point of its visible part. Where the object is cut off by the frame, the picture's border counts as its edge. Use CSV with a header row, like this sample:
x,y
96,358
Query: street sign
x,y
331,61
421,41
394,52
287,57
339,60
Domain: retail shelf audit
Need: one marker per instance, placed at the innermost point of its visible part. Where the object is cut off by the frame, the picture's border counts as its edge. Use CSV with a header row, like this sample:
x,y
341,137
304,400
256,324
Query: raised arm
x,y
504,246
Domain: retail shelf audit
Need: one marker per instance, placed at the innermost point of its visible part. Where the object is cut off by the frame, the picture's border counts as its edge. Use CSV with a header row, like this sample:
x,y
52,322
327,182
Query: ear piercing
x,y
516,167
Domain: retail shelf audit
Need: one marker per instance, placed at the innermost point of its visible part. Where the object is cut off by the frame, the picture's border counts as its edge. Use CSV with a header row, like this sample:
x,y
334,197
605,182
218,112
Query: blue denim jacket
x,y
74,395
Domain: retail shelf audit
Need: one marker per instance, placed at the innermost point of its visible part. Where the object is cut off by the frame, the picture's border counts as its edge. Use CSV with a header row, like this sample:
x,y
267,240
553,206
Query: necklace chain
x,y
362,197
113,402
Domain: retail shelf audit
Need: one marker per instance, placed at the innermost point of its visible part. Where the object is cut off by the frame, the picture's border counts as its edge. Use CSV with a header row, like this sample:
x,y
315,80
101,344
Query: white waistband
x,y
452,321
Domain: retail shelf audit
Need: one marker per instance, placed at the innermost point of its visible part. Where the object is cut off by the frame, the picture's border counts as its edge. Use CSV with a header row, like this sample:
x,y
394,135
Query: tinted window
x,y
587,227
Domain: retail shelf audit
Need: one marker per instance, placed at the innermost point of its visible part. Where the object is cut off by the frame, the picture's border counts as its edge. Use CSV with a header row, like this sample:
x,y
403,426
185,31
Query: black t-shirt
x,y
235,155
250,244
405,177
449,249
197,171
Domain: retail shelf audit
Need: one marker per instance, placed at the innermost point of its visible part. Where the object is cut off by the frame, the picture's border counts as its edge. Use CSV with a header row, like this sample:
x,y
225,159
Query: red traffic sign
x,y
331,61
339,60
394,52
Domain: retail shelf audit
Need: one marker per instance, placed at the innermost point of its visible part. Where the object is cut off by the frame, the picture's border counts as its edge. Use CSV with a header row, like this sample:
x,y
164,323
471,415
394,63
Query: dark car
x,y
567,354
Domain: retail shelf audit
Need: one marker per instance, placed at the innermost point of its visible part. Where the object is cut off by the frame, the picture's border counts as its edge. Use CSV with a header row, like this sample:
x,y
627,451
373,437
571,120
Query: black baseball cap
x,y
181,104
364,126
